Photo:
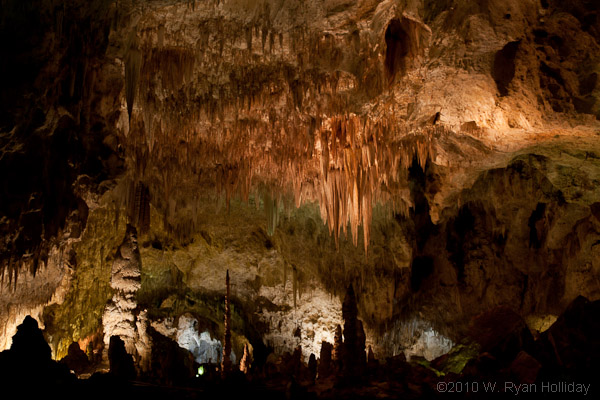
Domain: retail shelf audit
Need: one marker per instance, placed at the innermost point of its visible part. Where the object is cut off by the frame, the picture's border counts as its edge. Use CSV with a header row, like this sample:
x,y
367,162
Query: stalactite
x,y
133,63
161,36
225,117
284,275
294,283
272,211
139,206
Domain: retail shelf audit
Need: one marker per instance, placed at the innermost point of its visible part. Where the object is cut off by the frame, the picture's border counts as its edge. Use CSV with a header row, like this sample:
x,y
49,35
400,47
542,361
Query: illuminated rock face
x,y
310,323
331,103
204,348
450,148
414,338
121,317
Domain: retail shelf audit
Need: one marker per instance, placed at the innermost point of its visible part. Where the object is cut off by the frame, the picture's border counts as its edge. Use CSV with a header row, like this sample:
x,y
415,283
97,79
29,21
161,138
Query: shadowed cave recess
x,y
300,198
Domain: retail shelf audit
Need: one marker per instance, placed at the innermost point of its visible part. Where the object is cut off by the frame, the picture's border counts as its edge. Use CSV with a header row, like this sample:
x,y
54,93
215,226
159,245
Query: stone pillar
x,y
120,316
226,361
353,358
338,348
325,367
246,361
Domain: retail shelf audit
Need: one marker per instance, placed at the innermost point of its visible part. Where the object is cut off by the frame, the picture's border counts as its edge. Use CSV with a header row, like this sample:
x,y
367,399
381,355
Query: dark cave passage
x,y
397,42
503,70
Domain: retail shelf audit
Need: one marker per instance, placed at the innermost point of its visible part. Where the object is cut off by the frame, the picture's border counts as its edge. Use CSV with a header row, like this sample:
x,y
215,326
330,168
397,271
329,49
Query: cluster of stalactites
x,y
353,163
361,163
230,115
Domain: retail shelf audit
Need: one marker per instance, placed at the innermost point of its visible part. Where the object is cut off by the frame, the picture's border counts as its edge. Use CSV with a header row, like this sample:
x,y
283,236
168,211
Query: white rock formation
x,y
120,316
414,337
312,322
204,348
32,293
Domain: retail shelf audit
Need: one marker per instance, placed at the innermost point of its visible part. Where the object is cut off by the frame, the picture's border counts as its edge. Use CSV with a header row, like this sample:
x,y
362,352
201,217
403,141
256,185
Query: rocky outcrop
x,y
120,361
29,359
54,122
170,363
502,333
354,356
76,360
325,360
569,344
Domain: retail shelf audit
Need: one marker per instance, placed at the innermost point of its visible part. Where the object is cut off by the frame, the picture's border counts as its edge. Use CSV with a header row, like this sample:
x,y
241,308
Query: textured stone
x,y
501,332
525,368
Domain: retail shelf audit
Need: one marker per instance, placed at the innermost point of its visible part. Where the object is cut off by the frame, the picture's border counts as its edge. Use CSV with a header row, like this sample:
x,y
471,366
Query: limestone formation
x,y
353,359
312,368
121,317
170,363
121,362
76,359
226,360
337,354
371,361
28,360
325,360
246,361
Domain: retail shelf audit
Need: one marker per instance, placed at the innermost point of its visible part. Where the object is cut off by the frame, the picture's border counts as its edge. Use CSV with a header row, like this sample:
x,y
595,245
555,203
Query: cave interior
x,y
295,199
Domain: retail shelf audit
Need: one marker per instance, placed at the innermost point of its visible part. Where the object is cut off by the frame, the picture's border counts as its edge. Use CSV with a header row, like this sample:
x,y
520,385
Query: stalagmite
x,y
354,338
360,347
325,359
338,348
294,283
246,361
226,360
120,361
121,317
312,368
371,361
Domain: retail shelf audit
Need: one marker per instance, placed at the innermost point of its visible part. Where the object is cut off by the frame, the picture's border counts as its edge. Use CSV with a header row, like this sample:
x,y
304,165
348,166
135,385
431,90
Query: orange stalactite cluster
x,y
210,118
